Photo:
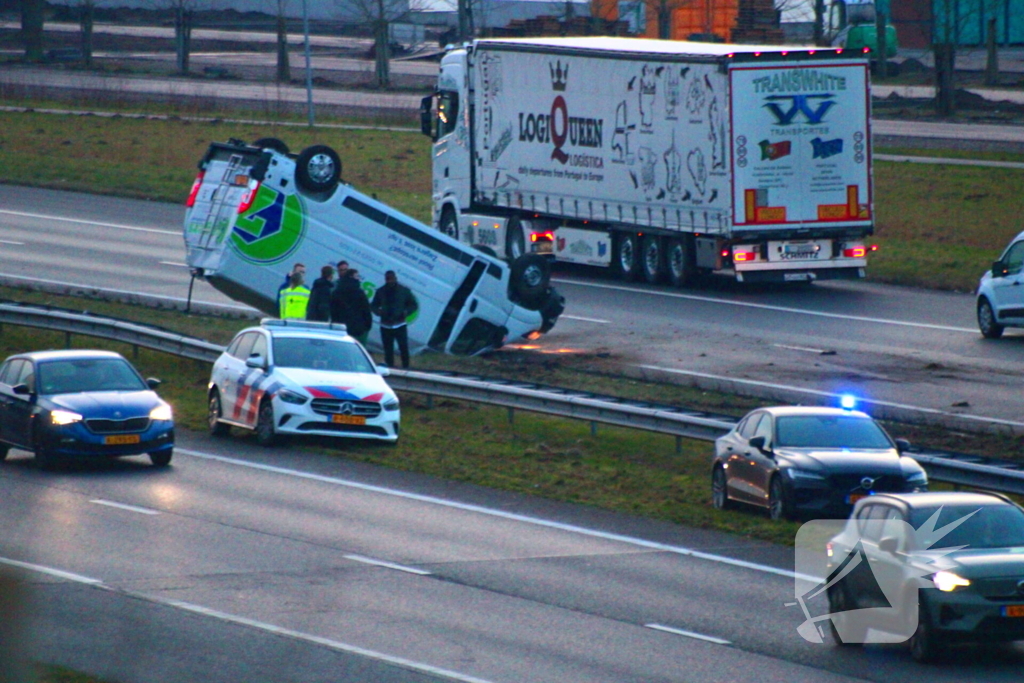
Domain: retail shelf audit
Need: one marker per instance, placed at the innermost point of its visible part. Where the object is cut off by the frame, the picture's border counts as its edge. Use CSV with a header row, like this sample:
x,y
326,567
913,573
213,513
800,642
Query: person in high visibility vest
x,y
294,299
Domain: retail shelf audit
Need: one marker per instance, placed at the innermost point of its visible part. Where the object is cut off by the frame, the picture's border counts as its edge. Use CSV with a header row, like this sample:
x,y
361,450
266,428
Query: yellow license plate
x,y
1013,611
121,439
348,419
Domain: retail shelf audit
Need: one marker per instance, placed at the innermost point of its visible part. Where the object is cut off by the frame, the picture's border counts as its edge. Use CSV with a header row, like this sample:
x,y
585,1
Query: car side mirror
x,y
153,382
889,544
758,442
999,269
383,370
21,389
902,445
255,361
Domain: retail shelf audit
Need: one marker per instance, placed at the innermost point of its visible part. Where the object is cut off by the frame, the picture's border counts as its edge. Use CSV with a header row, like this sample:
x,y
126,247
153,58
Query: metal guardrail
x,y
960,469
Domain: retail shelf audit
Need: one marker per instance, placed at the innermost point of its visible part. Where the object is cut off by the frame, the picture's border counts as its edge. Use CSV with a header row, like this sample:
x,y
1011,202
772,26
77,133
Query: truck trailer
x,y
657,159
256,209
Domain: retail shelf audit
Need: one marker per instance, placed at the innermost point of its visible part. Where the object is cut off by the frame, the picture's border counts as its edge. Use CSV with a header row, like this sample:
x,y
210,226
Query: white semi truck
x,y
255,210
659,159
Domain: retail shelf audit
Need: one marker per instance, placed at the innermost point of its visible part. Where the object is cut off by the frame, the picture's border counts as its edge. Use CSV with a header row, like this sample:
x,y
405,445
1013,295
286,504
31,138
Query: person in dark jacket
x,y
394,303
320,296
350,306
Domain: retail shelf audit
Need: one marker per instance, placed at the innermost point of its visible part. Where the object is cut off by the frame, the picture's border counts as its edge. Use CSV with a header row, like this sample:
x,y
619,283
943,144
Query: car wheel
x,y
272,143
161,458
626,257
449,224
317,169
779,505
265,434
515,239
990,329
925,644
44,457
720,489
529,279
652,258
680,262
838,604
213,415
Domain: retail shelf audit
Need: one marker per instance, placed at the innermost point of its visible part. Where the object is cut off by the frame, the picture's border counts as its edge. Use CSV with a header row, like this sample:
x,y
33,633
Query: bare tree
x,y
184,14
951,21
87,13
283,67
32,29
380,14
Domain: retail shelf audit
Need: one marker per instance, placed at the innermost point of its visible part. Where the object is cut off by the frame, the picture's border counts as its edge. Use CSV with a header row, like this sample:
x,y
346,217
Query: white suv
x,y
298,377
1001,292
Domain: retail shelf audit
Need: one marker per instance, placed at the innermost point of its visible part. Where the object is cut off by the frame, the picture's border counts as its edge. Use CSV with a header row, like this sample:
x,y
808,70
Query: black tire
x,y
779,505
317,169
925,645
45,458
272,143
838,602
3,451
626,256
161,458
213,415
680,261
652,258
990,329
530,276
515,239
554,306
265,434
484,249
449,223
720,490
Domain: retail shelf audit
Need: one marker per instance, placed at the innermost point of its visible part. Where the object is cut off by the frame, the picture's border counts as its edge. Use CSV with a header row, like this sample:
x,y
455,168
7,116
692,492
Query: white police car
x,y
298,377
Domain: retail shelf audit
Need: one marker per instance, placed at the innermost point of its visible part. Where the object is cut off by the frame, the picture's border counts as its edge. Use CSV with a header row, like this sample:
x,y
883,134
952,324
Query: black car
x,y
809,462
64,404
942,567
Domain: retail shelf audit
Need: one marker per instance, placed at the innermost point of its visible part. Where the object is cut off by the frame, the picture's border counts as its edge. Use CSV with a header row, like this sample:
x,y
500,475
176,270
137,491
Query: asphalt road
x,y
898,347
239,564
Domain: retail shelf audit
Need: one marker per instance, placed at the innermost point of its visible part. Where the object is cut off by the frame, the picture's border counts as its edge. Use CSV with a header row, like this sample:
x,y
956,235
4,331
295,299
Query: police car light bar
x,y
304,324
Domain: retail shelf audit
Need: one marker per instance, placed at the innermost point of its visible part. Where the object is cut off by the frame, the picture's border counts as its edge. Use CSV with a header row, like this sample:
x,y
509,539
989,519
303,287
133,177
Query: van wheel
x,y
680,261
449,224
515,239
626,256
652,259
272,143
213,415
990,329
530,276
317,169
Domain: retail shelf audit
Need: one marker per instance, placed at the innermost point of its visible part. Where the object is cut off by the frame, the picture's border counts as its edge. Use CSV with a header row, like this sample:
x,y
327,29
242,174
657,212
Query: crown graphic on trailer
x,y
558,75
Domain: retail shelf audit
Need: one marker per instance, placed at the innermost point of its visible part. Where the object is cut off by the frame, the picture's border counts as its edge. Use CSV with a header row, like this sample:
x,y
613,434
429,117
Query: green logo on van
x,y
271,229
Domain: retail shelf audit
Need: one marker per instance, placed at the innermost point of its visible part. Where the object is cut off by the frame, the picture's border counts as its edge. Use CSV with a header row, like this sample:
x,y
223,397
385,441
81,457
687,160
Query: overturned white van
x,y
255,209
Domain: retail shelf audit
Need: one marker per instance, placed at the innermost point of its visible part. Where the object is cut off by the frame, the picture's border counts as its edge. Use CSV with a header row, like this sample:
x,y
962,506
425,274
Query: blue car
x,y
72,404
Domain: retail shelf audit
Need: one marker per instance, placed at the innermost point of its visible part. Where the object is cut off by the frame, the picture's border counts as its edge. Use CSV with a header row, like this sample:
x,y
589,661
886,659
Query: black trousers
x,y
388,336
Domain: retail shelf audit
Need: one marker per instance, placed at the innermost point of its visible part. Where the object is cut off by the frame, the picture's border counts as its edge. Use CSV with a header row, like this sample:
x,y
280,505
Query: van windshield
x,y
321,354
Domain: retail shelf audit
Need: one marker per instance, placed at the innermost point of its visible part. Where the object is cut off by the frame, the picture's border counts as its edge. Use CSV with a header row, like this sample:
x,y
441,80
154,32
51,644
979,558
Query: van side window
x,y
1014,259
447,112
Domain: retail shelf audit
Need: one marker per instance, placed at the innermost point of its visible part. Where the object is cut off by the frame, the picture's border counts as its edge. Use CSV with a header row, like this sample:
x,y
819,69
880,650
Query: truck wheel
x,y
515,239
626,255
272,143
317,169
449,224
680,261
652,259
530,276
990,329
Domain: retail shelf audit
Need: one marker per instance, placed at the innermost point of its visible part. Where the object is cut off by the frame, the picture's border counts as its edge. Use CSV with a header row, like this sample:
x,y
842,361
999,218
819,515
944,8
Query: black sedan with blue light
x,y
74,404
808,462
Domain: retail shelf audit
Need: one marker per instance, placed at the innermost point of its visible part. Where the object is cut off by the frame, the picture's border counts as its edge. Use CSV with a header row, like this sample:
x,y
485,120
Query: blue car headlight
x,y
161,413
292,397
64,417
804,475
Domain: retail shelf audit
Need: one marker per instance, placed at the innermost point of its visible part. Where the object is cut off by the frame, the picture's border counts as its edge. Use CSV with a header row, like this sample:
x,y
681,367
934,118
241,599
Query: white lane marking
x,y
122,506
49,571
252,623
119,226
479,509
17,244
766,307
174,263
799,348
688,634
586,320
827,394
387,565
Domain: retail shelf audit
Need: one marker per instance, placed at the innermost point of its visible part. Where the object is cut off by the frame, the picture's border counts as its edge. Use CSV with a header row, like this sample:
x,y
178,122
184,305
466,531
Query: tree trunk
x,y
992,63
182,37
88,13
381,51
664,20
819,23
945,98
284,72
32,29
881,46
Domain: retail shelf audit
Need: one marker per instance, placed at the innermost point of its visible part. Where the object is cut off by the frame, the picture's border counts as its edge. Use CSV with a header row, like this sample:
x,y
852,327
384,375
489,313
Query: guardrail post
x,y
679,445
67,340
593,428
511,416
135,351
430,401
